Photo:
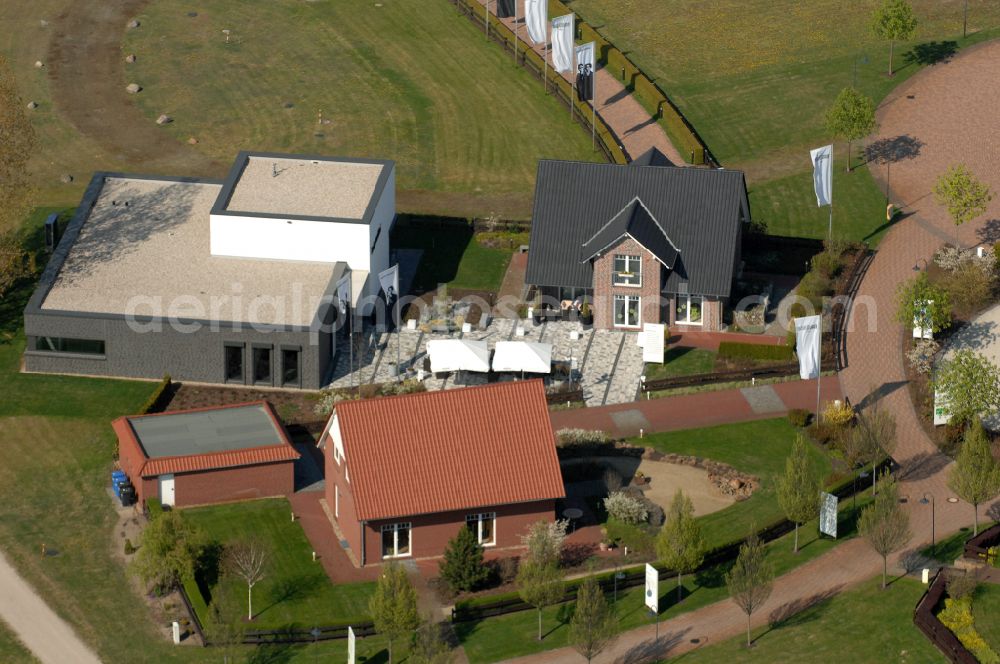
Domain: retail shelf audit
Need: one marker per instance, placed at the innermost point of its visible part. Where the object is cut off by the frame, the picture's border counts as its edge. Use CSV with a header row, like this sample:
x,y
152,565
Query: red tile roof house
x,y
207,455
405,473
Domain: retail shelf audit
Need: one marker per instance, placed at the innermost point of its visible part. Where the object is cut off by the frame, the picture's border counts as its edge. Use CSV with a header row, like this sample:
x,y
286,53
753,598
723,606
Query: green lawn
x,y
986,611
413,82
682,361
755,78
58,448
759,448
514,634
864,625
12,651
296,590
453,255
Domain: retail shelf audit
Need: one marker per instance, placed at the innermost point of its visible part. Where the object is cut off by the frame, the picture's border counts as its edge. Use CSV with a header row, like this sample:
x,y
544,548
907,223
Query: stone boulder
x,y
32,105
133,24
133,88
164,119
130,58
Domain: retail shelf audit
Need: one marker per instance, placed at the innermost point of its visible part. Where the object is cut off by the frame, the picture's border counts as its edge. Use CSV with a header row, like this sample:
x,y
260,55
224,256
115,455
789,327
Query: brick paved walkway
x,y
950,110
699,410
626,117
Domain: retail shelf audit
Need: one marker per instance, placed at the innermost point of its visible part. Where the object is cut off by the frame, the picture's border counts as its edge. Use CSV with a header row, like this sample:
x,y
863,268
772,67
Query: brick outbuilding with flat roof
x,y
405,473
207,455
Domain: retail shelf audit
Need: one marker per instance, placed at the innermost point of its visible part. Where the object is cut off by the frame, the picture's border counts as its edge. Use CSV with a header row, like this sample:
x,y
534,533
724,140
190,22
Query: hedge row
x,y
154,399
647,93
737,350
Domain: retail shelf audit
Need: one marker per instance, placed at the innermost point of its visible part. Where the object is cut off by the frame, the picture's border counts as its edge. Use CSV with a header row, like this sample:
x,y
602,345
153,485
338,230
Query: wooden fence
x,y
605,137
927,622
737,375
978,548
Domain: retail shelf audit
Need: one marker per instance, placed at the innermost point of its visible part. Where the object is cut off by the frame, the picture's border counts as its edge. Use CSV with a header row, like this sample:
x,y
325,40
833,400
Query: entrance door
x,y
167,490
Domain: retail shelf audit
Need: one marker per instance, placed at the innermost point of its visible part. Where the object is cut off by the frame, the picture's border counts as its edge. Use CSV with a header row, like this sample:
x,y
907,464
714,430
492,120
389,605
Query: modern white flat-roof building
x,y
214,281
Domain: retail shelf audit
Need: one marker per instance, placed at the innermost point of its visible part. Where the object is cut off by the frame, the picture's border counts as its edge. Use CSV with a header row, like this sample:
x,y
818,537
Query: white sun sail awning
x,y
458,355
527,356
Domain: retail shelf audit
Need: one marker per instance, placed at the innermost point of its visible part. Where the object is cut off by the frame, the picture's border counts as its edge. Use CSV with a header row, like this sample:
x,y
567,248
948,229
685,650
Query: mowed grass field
x,y
397,79
755,78
12,651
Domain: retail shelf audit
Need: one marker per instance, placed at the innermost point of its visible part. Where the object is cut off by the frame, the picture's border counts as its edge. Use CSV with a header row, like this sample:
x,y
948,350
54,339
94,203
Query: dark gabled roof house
x,y
647,242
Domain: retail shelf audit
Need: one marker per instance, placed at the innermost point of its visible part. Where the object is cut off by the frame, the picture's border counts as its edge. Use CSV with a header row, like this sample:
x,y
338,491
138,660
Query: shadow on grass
x,y
290,590
931,53
277,653
443,244
799,612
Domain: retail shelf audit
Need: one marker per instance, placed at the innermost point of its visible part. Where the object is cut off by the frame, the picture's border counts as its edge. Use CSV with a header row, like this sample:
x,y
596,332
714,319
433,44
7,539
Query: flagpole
x,y
486,17
819,362
515,33
545,59
829,231
350,336
593,105
398,338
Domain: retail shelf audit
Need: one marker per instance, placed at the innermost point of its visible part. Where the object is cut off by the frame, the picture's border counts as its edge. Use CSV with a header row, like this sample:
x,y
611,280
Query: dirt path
x,y
86,71
44,633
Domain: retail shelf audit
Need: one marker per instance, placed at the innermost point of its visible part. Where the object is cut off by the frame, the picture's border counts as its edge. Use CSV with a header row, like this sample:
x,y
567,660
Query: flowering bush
x,y
838,414
952,258
957,616
623,507
571,437
921,356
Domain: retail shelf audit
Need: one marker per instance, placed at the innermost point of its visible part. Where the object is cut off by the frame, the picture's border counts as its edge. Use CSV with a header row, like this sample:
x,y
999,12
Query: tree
x,y
248,560
851,117
921,303
872,439
462,567
751,578
971,383
429,644
545,541
799,488
679,544
224,628
540,585
884,524
962,194
893,21
592,627
169,551
975,476
393,607
17,145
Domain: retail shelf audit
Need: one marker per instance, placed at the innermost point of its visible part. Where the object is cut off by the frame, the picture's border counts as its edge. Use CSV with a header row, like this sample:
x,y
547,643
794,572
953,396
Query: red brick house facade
x,y
643,243
404,474
256,461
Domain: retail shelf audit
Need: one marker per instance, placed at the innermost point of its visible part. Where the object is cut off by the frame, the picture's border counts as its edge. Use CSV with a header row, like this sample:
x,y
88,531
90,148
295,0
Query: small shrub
x,y
828,264
581,437
921,356
814,286
962,585
838,414
734,350
129,547
625,508
799,417
507,569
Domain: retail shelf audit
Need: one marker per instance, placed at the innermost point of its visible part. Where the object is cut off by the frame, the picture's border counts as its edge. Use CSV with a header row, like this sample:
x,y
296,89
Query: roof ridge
x,y
658,225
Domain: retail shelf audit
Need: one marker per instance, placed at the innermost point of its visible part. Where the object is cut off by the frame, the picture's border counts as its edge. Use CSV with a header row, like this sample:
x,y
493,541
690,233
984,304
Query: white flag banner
x,y
652,589
808,331
822,161
585,64
389,281
536,17
344,293
562,43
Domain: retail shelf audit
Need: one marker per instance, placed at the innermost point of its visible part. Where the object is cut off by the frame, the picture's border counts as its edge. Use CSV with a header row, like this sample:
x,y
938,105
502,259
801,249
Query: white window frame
x,y
630,263
395,528
478,519
638,311
687,320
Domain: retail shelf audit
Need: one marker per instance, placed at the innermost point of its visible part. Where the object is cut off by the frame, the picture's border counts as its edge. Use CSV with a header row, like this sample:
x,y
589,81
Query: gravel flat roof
x,y
306,187
144,248
206,431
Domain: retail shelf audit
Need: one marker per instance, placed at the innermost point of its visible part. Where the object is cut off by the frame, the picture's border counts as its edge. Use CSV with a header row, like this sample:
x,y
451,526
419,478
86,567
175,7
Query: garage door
x,y
167,490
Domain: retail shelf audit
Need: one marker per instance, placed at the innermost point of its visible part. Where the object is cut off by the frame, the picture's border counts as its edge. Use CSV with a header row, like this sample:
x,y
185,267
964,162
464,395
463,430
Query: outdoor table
x,y
572,513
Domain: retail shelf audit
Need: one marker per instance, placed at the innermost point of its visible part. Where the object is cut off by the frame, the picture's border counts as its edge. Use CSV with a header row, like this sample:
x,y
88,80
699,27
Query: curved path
x,y
945,115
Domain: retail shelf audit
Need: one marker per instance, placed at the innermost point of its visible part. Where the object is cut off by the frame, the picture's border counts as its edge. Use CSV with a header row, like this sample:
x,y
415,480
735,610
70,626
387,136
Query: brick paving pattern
x,y
950,109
